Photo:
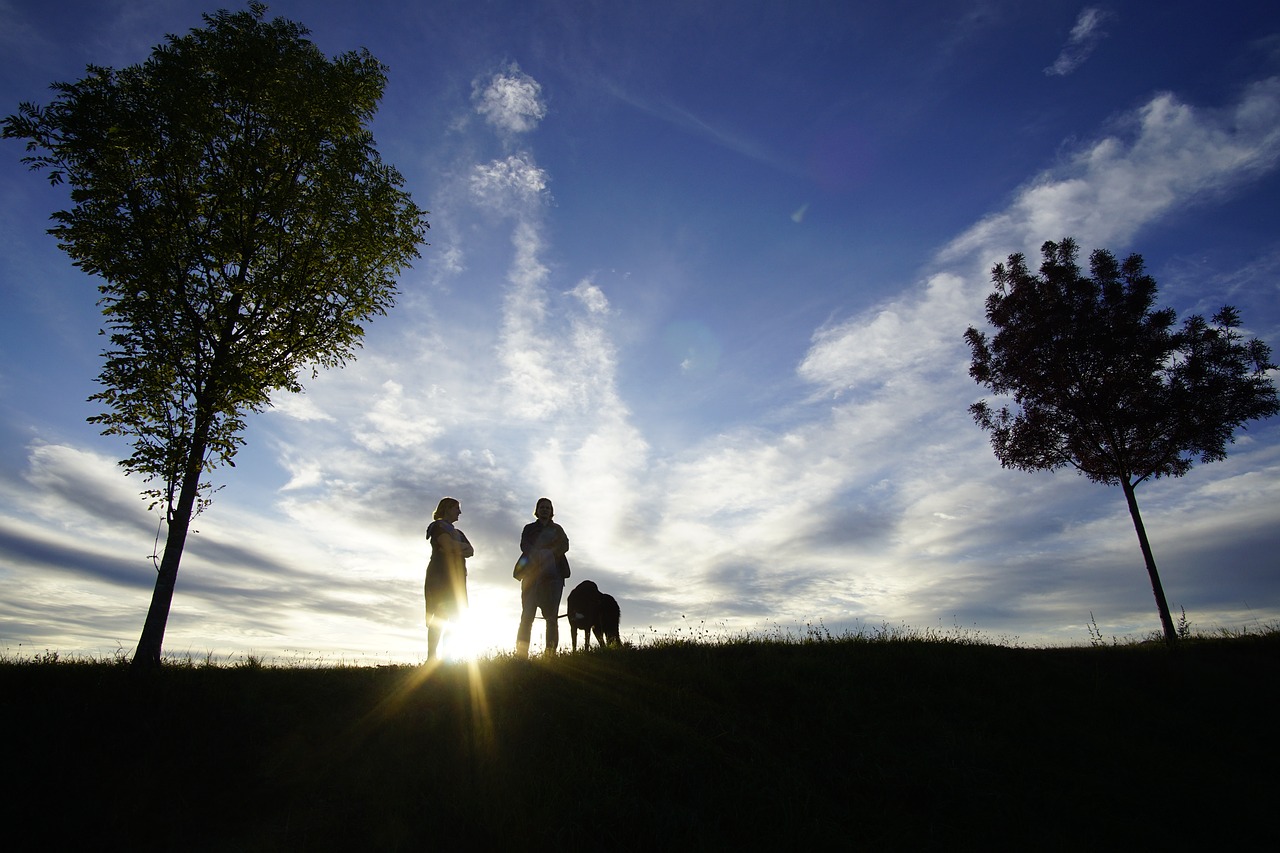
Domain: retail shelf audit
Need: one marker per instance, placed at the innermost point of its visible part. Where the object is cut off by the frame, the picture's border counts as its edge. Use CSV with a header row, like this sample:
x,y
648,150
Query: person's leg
x,y
433,638
528,609
552,589
433,633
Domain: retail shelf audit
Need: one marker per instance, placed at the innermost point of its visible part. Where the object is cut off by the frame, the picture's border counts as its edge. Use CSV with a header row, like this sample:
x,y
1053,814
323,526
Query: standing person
x,y
542,570
445,588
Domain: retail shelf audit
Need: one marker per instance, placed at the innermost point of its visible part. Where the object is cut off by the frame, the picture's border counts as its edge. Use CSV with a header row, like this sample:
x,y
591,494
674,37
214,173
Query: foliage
x,y
1095,633
228,195
1104,382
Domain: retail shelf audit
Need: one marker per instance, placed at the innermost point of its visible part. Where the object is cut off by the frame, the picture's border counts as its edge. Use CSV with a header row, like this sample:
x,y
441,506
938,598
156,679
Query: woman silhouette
x,y
445,588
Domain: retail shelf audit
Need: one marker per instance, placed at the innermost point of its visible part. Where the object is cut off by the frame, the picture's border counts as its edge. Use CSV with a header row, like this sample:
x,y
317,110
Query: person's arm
x,y
448,540
439,537
562,548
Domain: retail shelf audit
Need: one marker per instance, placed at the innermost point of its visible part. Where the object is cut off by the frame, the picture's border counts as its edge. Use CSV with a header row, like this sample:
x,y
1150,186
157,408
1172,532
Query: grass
x,y
896,739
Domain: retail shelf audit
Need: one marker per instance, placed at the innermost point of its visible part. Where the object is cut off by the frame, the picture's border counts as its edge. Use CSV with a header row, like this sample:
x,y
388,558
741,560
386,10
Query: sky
x,y
700,273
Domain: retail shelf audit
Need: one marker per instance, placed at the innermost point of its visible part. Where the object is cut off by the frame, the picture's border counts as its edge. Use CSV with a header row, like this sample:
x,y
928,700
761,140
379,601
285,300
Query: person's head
x,y
446,508
543,510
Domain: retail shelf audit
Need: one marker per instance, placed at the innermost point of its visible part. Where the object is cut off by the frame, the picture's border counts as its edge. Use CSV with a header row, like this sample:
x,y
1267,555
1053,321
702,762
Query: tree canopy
x,y
229,198
1103,381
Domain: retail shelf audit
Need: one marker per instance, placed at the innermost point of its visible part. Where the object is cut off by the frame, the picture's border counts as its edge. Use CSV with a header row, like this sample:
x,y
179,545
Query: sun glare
x,y
469,637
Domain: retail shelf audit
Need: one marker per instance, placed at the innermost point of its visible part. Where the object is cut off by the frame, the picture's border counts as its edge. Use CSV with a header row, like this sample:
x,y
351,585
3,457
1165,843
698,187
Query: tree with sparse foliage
x,y
228,195
1103,382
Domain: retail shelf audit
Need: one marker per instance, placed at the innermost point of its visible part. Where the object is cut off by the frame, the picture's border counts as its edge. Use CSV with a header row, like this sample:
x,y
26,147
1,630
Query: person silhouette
x,y
541,570
445,588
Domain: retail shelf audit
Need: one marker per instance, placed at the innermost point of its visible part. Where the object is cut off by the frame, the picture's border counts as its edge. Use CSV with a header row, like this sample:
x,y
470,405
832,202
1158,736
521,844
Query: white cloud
x,y
899,430
451,259
1102,196
873,498
513,182
1084,37
509,100
79,490
893,341
591,296
882,500
530,348
395,422
1165,154
298,406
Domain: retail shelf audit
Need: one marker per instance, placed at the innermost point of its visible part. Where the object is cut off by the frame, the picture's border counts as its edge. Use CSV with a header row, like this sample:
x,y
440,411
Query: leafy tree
x,y
228,195
1108,385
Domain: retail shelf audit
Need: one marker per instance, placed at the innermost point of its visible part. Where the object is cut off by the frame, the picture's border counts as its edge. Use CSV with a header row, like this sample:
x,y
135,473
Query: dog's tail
x,y
561,616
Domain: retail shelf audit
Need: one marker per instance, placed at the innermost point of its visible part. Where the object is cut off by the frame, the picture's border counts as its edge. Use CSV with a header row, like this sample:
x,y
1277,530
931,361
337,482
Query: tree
x,y
1106,384
228,195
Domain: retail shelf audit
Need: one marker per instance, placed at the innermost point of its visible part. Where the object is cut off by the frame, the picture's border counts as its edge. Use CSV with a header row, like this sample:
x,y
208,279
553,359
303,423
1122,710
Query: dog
x,y
592,610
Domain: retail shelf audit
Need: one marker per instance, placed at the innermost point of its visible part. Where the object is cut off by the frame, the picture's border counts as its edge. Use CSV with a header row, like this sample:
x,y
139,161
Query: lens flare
x,y
468,637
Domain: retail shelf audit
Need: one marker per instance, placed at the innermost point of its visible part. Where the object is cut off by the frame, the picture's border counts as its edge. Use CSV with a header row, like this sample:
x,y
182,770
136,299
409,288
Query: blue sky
x,y
700,273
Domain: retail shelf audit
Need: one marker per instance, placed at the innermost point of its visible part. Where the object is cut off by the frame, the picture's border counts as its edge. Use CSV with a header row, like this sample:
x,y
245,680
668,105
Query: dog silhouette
x,y
593,611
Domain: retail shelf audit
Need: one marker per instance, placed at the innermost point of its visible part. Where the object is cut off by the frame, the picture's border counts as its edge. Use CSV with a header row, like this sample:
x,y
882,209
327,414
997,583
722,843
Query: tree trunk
x,y
1166,621
147,655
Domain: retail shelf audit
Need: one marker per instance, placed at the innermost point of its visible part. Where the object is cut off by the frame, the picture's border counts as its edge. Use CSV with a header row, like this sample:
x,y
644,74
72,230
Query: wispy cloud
x,y
896,458
1165,154
871,498
900,368
1082,41
704,128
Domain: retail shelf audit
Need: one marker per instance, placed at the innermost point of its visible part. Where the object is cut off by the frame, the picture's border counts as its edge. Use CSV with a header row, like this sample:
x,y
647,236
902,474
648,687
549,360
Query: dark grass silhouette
x,y
897,743
590,610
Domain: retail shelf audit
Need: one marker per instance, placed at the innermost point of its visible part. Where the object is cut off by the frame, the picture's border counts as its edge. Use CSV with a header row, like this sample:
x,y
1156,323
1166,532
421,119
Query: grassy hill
x,y
844,743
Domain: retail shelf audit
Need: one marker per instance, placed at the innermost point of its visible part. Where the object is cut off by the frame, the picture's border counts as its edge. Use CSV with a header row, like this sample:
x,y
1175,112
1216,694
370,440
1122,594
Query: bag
x,y
522,565
551,539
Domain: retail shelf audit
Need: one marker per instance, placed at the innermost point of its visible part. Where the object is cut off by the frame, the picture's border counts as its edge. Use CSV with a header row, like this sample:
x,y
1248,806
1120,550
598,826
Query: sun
x,y
470,636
